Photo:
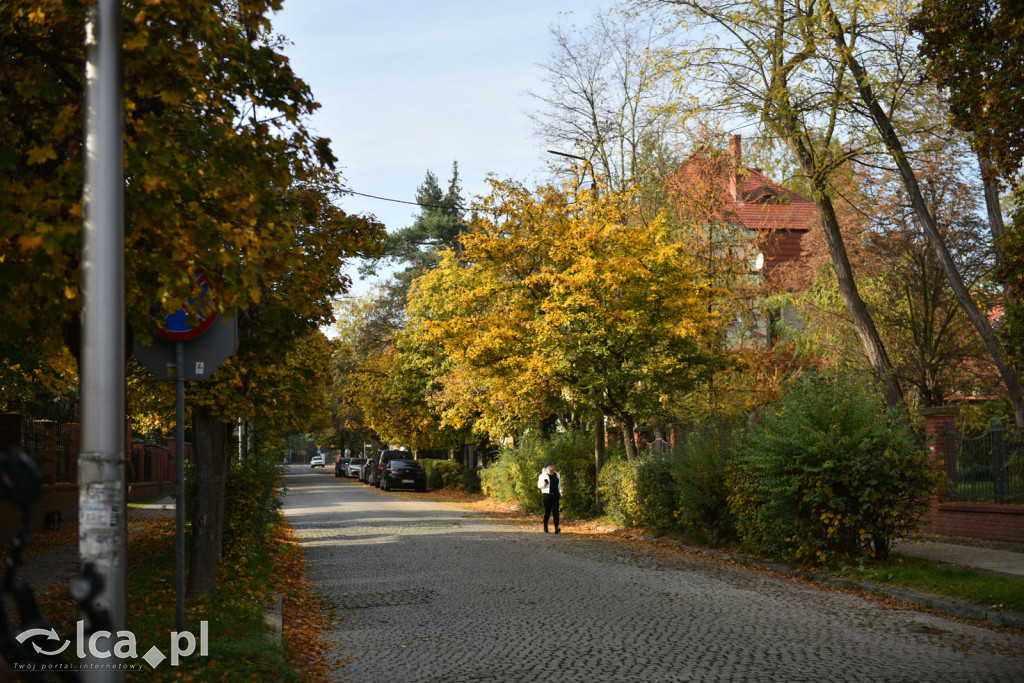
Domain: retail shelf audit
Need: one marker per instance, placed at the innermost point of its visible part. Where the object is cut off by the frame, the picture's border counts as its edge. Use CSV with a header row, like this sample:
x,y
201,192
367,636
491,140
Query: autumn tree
x,y
935,350
379,384
974,52
222,178
552,303
759,63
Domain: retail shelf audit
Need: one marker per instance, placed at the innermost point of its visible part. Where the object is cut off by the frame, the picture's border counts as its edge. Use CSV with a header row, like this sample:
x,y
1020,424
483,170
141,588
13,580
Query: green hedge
x,y
701,465
512,476
829,475
683,492
443,473
641,493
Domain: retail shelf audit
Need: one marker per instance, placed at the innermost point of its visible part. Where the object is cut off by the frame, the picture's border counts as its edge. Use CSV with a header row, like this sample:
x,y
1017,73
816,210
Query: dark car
x,y
406,474
382,463
341,467
369,467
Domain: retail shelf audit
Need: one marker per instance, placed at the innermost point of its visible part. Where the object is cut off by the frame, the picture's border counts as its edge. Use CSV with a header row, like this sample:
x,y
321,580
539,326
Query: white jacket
x,y
544,483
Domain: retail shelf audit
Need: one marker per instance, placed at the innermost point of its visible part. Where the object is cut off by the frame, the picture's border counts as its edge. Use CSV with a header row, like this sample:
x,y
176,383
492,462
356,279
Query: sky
x,y
410,86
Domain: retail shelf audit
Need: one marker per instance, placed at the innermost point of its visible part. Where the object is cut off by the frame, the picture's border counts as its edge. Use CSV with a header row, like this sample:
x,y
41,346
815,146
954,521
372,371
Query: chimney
x,y
736,152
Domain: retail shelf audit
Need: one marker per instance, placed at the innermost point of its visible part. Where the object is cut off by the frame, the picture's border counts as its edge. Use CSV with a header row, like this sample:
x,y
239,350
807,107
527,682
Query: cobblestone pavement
x,y
425,592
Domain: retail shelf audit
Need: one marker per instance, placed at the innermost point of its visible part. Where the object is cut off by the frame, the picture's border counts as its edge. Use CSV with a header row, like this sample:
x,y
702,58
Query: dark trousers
x,y
550,508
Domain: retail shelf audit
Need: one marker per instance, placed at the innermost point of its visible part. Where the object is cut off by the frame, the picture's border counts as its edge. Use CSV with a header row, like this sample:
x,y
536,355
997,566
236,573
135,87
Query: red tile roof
x,y
751,199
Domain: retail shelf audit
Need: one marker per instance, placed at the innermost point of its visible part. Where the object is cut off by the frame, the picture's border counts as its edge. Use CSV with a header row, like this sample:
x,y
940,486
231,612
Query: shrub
x,y
829,475
251,503
470,481
700,466
512,476
618,491
443,473
643,493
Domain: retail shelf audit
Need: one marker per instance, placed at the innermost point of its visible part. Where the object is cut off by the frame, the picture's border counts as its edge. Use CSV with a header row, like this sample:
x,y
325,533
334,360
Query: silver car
x,y
353,467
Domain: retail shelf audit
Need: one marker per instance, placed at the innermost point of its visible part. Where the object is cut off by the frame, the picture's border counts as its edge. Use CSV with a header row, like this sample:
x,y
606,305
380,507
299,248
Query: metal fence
x,y
989,467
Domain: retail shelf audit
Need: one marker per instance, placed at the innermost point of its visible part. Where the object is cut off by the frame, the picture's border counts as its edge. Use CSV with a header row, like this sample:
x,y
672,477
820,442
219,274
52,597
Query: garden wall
x,y
988,521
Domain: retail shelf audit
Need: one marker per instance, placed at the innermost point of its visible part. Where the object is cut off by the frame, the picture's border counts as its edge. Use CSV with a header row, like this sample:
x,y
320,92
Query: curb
x,y
273,620
951,606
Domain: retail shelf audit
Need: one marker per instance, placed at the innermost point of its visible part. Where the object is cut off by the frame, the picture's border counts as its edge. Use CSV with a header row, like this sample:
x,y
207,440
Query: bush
x,y
829,475
642,493
470,481
618,491
251,503
678,493
700,466
512,476
443,473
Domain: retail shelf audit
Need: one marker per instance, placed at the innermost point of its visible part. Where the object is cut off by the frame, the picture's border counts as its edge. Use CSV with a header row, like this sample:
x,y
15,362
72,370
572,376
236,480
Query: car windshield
x,y
357,461
405,465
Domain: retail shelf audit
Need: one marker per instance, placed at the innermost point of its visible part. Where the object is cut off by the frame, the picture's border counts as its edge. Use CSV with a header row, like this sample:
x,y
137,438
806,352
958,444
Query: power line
x,y
403,201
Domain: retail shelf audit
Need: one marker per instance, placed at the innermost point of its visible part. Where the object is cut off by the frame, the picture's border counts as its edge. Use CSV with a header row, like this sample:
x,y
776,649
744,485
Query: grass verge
x,y
237,648
993,590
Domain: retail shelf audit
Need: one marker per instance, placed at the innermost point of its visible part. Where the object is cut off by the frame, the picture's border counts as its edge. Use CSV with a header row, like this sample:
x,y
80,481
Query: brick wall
x,y
152,471
988,521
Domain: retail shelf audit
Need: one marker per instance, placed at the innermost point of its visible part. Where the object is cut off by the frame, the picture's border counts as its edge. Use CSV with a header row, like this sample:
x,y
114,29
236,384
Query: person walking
x,y
550,484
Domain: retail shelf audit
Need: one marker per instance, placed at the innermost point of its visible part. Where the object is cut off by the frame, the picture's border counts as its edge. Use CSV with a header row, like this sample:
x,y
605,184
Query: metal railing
x,y
989,467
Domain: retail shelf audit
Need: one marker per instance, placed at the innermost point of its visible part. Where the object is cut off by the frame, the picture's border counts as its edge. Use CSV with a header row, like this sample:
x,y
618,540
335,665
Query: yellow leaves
x,y
171,97
136,41
153,182
40,154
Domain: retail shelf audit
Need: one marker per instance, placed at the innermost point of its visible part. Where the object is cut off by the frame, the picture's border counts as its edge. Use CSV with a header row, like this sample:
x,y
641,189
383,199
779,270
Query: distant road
x,y
429,592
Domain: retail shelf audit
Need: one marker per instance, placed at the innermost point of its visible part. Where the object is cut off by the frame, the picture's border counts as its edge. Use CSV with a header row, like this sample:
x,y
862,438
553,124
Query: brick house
x,y
762,223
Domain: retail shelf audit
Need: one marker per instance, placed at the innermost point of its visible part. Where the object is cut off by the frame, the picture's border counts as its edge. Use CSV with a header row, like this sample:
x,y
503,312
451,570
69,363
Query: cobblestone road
x,y
425,592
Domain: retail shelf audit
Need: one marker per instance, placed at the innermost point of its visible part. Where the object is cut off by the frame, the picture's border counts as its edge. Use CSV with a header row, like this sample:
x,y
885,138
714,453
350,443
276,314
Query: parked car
x,y
368,467
354,466
341,467
406,474
383,459
316,461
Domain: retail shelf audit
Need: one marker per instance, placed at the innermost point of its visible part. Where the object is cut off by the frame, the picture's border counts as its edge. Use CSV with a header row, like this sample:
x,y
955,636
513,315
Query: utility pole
x,y
101,467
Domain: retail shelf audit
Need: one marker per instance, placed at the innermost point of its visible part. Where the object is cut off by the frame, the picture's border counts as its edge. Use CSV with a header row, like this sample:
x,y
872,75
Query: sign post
x,y
186,352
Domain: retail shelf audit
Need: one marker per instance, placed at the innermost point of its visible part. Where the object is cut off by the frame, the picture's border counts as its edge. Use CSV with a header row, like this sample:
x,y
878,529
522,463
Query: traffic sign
x,y
177,327
203,354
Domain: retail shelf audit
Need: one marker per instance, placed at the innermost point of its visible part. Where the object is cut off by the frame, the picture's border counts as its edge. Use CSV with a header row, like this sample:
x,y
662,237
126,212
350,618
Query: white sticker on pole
x,y
100,509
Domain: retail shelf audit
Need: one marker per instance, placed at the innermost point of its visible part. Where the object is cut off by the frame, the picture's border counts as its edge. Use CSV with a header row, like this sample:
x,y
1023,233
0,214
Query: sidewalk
x,y
1008,562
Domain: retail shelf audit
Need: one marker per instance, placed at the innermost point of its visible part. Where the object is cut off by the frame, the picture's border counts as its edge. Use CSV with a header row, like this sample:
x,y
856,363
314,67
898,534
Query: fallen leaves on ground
x,y
304,619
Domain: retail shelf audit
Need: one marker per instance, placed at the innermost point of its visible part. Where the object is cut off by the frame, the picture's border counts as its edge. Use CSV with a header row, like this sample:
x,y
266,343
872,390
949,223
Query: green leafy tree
x,y
437,227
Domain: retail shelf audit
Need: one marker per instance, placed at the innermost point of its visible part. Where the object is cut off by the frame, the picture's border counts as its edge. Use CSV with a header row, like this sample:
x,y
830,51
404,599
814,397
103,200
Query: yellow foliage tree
x,y
556,302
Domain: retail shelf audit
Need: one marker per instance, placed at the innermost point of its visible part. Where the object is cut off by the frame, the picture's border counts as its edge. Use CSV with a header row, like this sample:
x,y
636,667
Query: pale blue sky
x,y
410,86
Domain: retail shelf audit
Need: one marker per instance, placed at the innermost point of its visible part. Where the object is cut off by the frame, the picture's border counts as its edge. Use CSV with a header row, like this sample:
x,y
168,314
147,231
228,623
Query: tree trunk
x,y
892,143
990,181
628,427
780,116
599,437
855,306
210,461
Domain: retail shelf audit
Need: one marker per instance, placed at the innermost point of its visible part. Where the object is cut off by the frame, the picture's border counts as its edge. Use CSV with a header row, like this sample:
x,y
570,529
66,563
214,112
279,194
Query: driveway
x,y
421,591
